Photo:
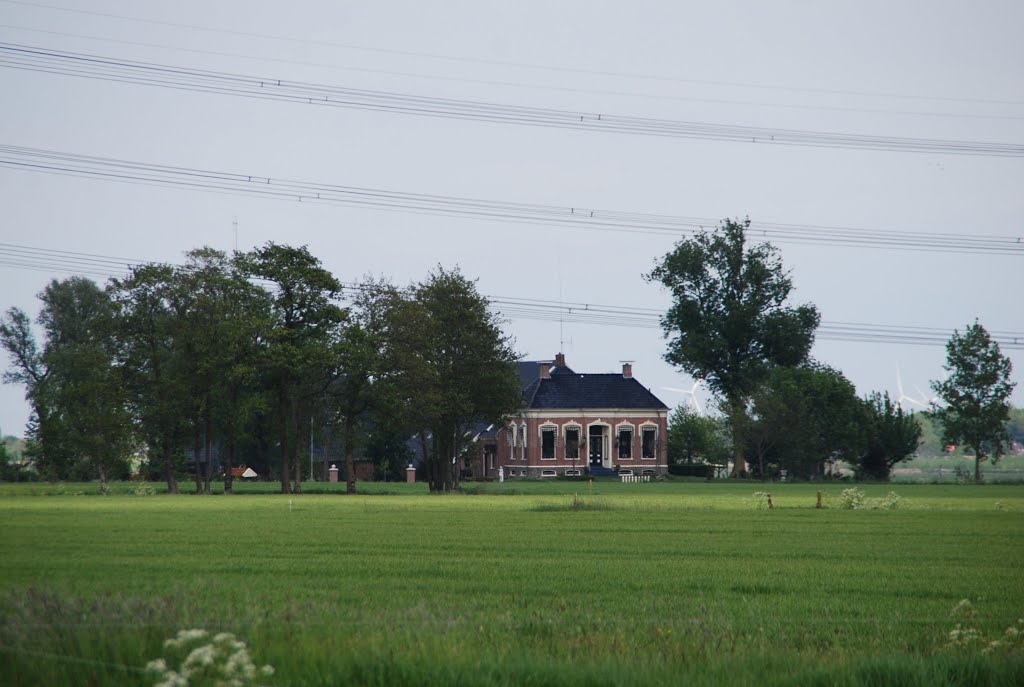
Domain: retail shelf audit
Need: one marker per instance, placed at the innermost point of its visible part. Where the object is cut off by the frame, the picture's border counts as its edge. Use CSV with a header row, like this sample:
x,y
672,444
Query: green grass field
x,y
661,583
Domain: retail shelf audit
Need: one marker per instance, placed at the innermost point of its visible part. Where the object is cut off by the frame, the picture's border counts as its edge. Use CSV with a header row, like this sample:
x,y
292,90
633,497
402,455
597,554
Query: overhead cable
x,y
36,59
508,63
565,216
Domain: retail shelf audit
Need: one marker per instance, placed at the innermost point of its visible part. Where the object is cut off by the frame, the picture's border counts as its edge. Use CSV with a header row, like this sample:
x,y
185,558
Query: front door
x,y
596,447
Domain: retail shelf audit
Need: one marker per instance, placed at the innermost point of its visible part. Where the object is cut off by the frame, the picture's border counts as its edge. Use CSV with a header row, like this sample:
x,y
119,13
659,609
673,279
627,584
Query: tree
x,y
450,368
728,323
29,369
804,417
892,437
151,354
360,388
80,424
222,321
695,438
974,408
297,359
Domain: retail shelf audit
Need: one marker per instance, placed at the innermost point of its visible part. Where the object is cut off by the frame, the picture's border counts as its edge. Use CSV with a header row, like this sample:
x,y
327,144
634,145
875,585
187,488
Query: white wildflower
x,y
156,666
200,656
223,660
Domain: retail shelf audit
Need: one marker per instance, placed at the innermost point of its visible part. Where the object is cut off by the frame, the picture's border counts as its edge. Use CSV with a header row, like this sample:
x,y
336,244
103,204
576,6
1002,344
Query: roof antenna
x,y
561,306
234,224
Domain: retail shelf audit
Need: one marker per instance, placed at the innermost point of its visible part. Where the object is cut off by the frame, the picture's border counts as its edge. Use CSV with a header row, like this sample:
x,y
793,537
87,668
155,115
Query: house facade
x,y
578,424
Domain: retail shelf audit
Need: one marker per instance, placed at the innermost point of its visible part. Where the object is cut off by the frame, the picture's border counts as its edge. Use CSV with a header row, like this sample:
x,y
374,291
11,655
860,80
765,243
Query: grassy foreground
x,y
661,583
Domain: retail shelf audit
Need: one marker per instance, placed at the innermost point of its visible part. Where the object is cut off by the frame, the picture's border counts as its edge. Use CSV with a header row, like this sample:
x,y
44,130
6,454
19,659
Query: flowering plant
x,y
221,660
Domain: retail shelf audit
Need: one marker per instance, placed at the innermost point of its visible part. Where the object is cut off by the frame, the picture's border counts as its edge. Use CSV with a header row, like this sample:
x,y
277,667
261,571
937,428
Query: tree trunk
x,y
350,463
229,458
197,451
296,452
282,430
977,464
739,465
207,444
172,480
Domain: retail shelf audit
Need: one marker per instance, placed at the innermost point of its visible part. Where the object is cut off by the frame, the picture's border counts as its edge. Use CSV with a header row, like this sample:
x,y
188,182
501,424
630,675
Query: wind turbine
x,y
902,396
691,392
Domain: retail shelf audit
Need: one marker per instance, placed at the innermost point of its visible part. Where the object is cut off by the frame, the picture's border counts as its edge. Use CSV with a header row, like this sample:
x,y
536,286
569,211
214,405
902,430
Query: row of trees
x,y
248,350
804,420
730,325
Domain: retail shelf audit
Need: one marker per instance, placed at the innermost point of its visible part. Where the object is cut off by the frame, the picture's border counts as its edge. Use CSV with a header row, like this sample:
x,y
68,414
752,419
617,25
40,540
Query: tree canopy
x,y
452,369
729,323
252,351
973,406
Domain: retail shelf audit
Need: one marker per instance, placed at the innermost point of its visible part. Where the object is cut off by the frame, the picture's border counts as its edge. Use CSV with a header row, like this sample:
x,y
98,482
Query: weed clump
x,y
964,637
577,504
856,499
218,660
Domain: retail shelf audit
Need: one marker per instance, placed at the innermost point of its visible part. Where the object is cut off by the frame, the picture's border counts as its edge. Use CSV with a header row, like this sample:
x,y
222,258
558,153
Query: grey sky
x,y
943,70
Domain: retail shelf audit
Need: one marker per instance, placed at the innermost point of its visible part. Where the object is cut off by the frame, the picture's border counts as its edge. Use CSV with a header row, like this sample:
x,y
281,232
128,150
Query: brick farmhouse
x,y
577,424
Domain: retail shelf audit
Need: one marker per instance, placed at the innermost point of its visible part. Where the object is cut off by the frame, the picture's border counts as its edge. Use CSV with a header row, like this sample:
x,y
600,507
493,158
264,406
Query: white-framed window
x,y
512,473
649,442
548,473
573,473
522,440
647,471
511,438
626,472
572,441
624,442
548,437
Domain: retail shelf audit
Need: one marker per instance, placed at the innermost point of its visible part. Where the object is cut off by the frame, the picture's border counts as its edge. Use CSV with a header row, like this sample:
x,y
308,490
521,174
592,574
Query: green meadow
x,y
536,583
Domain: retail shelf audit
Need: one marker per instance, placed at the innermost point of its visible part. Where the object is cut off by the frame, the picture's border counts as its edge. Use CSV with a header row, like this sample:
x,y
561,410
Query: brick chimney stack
x,y
560,360
627,370
545,370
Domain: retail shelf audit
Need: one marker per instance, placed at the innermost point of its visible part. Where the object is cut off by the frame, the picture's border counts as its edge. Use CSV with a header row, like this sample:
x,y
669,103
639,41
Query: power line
x,y
30,257
515,84
102,68
518,65
127,171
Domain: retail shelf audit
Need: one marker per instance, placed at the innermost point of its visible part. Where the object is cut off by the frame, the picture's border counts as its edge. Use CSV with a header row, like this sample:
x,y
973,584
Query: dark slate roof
x,y
567,389
529,370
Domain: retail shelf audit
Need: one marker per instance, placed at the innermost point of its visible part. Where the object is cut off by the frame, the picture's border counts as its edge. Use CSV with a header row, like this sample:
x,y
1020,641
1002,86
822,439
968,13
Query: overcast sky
x,y
929,69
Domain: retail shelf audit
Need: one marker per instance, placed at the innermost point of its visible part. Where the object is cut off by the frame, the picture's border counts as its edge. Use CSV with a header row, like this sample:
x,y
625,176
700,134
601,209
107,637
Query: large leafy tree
x,y
450,368
297,360
29,370
803,417
360,392
81,424
974,408
729,323
151,353
224,322
892,437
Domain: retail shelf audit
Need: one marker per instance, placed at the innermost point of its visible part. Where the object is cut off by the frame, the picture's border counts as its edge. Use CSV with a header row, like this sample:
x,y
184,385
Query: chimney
x,y
627,370
545,370
560,360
